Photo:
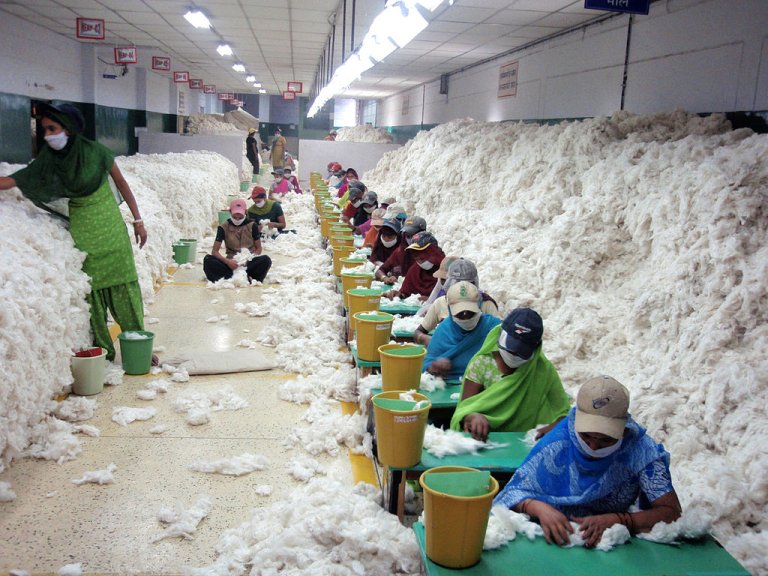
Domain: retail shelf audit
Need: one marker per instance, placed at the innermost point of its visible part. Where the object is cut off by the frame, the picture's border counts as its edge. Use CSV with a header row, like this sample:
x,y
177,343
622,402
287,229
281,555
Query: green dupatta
x,y
77,170
264,210
531,395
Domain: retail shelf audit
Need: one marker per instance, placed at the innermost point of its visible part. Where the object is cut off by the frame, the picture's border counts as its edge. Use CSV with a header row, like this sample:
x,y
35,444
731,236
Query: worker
x,y
370,229
277,155
330,136
288,175
598,467
426,255
387,241
399,262
264,209
280,187
510,385
458,338
252,149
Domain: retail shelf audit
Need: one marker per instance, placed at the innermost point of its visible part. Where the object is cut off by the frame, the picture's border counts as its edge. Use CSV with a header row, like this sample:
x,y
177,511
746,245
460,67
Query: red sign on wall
x,y
90,29
161,63
181,77
209,89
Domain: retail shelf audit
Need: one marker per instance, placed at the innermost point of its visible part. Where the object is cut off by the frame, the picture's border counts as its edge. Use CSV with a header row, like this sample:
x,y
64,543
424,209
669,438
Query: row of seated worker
x,y
593,463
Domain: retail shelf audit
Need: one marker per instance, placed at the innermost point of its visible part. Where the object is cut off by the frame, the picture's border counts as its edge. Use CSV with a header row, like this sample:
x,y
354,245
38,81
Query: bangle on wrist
x,y
138,221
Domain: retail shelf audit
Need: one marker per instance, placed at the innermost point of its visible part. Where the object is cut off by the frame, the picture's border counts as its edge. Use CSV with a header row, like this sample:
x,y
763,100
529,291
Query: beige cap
x,y
442,272
377,217
463,296
602,406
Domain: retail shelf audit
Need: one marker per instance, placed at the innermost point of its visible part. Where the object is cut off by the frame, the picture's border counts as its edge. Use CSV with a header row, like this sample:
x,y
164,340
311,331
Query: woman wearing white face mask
x,y
72,166
510,386
387,241
458,338
264,209
236,233
425,256
606,463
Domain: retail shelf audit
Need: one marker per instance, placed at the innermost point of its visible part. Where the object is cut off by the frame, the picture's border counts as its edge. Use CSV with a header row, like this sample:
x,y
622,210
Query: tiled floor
x,y
110,528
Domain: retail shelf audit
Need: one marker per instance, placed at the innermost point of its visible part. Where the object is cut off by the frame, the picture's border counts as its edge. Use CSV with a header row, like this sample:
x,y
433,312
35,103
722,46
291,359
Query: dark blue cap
x,y
392,225
521,332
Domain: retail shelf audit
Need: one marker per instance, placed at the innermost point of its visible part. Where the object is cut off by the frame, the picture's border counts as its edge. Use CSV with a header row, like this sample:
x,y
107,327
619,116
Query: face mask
x,y
368,209
260,203
510,359
600,453
57,141
426,265
278,178
469,324
237,221
389,243
357,203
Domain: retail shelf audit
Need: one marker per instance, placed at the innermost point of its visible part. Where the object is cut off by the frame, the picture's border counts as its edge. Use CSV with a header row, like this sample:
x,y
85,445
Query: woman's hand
x,y
140,233
592,527
477,425
555,525
440,367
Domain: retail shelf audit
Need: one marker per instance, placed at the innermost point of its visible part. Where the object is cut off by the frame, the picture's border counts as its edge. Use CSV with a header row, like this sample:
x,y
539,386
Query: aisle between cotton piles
x,y
111,528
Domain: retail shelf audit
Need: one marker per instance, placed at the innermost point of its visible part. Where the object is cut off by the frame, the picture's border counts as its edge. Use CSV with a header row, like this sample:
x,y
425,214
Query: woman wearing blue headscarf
x,y
458,338
591,468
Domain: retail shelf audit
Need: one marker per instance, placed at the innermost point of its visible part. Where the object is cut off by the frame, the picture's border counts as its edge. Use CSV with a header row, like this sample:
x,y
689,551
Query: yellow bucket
x,y
399,428
361,300
342,240
340,252
373,330
401,366
455,524
354,280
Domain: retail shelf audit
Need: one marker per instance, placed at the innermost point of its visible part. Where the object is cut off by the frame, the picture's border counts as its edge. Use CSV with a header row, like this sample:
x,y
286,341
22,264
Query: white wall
x,y
362,156
701,55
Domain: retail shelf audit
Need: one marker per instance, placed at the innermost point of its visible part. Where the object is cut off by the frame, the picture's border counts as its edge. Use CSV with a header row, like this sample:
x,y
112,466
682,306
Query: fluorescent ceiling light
x,y
262,91
257,84
197,19
238,67
377,47
250,78
224,50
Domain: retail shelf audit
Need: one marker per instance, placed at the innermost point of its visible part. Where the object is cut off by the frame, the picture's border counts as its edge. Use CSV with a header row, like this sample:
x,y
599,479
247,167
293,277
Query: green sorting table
x,y
638,558
438,398
502,461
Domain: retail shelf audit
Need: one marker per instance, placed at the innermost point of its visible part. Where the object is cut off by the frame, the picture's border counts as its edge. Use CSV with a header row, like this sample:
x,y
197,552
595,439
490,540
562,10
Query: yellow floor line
x,y
164,284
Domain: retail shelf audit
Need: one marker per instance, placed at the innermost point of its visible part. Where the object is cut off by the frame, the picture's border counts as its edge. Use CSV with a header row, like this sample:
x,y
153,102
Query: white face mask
x,y
238,221
389,243
368,209
510,359
57,141
278,178
600,453
426,265
260,203
469,324
357,203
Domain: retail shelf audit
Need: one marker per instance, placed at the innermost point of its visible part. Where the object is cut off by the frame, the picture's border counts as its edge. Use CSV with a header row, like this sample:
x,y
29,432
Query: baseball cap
x,y
355,193
377,217
395,211
463,269
413,225
521,332
388,200
442,272
392,225
602,406
237,206
463,296
278,172
370,197
421,241
258,192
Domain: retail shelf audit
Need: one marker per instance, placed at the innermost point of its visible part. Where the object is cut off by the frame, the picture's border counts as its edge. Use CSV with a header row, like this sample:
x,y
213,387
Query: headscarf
x,y
264,210
518,401
420,281
558,473
458,345
77,170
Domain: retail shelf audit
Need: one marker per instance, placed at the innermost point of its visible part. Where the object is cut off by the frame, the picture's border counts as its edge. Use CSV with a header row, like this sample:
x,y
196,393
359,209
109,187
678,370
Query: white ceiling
x,y
283,40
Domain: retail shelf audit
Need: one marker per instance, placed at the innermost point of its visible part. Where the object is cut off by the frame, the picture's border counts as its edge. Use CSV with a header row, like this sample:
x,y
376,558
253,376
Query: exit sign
x,y
629,6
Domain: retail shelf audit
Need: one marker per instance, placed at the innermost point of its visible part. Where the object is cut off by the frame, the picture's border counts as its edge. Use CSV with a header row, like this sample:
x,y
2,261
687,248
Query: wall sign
x,y
181,77
195,83
125,55
508,79
161,63
297,87
90,29
226,96
209,89
628,6
289,95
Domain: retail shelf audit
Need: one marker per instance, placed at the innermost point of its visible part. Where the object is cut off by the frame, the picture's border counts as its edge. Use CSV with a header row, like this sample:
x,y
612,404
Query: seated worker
x,y
386,243
288,173
280,187
399,262
458,338
510,386
452,270
332,179
387,202
368,204
355,201
397,212
264,209
591,468
349,176
237,233
372,227
420,279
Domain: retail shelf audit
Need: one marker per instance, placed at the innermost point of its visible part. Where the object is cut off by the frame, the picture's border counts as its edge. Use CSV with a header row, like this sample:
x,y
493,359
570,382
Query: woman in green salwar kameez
x,y
71,166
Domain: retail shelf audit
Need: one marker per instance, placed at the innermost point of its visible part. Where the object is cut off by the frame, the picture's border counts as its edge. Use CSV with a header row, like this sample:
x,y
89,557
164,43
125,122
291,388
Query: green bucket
x,y
223,216
244,186
182,253
136,353
254,179
193,246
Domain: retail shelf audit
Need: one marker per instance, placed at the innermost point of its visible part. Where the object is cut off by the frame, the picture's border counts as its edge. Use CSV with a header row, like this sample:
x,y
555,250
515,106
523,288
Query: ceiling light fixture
x,y
250,78
262,91
197,19
257,84
238,67
224,50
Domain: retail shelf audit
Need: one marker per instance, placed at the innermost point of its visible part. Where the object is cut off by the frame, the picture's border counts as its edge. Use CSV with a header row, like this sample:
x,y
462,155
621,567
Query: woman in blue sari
x,y
591,468
458,338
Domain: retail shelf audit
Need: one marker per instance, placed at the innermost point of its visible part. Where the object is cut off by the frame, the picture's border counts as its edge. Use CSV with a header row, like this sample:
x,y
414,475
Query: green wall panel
x,y
15,130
